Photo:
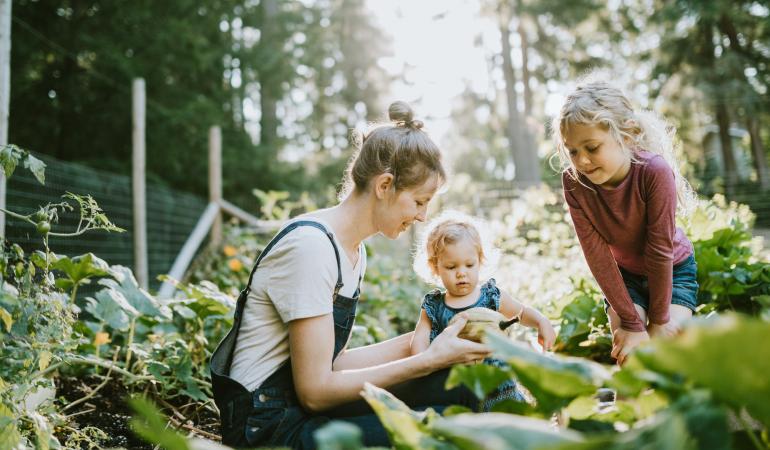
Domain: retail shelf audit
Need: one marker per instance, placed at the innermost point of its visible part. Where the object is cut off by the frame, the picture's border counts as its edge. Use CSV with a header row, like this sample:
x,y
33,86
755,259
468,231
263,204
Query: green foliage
x,y
481,379
553,381
721,355
203,66
667,415
584,329
497,430
151,425
78,270
11,156
407,429
338,435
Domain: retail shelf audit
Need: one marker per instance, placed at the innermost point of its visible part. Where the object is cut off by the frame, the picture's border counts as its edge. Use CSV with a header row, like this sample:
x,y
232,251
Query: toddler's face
x,y
597,155
458,267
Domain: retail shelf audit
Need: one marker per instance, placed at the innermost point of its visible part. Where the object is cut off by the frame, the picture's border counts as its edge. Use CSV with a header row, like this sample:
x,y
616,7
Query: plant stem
x,y
18,216
108,365
749,430
74,293
95,390
130,341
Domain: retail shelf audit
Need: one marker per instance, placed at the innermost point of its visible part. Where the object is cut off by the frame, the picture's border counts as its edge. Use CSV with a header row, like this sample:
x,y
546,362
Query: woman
x,y
283,370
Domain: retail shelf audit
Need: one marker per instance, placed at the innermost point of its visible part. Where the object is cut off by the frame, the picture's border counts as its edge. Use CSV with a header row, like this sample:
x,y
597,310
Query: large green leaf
x,y
407,429
553,380
79,269
9,434
726,355
338,435
137,297
36,166
479,378
500,431
111,307
665,432
10,155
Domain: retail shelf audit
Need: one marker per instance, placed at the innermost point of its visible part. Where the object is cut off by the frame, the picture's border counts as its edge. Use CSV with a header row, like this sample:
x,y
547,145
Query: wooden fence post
x,y
215,180
138,182
5,92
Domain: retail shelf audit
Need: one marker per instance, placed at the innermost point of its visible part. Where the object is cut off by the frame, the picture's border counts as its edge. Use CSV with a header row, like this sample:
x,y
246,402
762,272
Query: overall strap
x,y
286,230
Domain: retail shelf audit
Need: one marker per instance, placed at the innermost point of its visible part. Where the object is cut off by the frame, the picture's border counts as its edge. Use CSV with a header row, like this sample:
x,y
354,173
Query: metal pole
x,y
215,180
5,92
138,182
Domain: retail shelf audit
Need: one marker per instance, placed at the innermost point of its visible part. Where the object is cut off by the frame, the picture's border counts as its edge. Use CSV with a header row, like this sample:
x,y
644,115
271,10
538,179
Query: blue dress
x,y
440,314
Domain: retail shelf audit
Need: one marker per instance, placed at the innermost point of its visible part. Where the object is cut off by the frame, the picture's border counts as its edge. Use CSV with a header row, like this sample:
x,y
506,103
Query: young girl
x,y
454,254
622,184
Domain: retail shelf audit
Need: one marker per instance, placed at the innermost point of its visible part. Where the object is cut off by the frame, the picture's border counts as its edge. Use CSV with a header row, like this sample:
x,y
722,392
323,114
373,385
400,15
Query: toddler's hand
x,y
624,341
546,335
666,330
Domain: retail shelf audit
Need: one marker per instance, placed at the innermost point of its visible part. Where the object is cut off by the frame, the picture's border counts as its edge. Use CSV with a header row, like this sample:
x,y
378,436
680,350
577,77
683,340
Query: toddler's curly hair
x,y
446,229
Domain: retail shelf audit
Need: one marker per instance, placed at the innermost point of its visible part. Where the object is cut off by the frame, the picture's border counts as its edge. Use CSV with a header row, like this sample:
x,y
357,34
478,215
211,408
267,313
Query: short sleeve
x,y
430,305
303,273
491,294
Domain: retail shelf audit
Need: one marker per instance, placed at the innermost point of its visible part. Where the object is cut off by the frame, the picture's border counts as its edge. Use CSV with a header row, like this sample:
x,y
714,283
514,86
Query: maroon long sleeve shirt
x,y
632,226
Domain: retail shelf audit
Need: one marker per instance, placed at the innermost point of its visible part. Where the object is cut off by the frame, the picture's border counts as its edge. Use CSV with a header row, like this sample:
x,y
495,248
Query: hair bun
x,y
400,112
416,124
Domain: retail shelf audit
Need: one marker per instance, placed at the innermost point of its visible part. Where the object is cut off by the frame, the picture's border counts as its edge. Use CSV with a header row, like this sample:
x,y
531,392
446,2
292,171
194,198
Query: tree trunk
x,y
523,151
758,153
269,86
525,74
726,145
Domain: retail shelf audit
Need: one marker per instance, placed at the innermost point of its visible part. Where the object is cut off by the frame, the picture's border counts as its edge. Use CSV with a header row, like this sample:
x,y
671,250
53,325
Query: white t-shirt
x,y
295,280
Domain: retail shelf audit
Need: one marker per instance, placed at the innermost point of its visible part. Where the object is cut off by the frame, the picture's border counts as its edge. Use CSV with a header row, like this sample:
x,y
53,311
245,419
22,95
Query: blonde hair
x,y
400,148
598,103
446,229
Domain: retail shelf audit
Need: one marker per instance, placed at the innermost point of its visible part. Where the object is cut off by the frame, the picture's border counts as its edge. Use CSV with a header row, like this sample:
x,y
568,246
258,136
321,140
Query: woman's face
x,y
400,209
597,155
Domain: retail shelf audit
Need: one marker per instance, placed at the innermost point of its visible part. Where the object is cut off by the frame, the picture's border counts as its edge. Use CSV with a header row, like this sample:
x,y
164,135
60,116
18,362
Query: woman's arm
x,y
318,387
421,338
374,354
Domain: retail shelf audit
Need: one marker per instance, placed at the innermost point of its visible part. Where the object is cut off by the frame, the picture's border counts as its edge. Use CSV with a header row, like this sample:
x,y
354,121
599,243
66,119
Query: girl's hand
x,y
447,349
666,330
546,335
624,341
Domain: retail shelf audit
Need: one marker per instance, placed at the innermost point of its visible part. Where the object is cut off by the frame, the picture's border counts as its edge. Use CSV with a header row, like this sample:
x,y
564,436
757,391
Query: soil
x,y
108,411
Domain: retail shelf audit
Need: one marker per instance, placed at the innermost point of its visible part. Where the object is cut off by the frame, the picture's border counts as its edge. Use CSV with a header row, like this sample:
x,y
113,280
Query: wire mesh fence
x,y
171,215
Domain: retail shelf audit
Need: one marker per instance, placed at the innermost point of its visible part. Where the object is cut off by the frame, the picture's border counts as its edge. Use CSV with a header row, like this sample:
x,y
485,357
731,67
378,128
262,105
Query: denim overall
x,y
271,414
440,314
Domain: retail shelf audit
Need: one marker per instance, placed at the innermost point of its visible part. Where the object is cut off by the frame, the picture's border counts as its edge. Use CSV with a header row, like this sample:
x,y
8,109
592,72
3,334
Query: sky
x,y
433,46
442,46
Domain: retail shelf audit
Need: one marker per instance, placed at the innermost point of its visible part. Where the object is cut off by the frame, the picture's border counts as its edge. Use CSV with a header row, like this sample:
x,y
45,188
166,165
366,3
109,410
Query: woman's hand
x,y
665,330
624,341
447,349
546,335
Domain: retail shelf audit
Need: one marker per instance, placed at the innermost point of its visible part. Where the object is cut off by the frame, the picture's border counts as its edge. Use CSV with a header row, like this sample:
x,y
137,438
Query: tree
x,y
715,45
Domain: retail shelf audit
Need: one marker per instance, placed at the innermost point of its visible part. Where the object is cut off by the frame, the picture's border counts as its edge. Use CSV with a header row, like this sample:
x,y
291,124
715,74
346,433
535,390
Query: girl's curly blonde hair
x,y
446,229
599,103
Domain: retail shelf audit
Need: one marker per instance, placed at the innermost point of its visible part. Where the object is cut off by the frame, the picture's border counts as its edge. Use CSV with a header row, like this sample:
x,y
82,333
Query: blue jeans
x,y
684,286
